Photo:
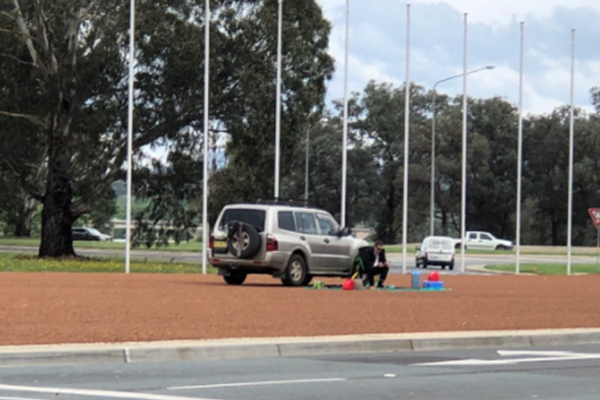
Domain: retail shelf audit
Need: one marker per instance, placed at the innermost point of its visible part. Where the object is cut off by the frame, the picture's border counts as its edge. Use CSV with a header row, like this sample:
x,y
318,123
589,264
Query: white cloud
x,y
377,47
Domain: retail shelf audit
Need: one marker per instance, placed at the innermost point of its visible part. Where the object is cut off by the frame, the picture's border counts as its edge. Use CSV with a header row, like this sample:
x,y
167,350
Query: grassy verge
x,y
35,242
411,250
21,263
546,269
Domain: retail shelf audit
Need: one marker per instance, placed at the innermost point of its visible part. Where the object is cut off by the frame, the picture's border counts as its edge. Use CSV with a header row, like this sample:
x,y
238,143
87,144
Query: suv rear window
x,y
255,218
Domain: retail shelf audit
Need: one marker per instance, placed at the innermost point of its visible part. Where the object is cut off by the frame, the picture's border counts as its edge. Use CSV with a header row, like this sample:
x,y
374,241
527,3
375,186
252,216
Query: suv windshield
x,y
440,244
255,218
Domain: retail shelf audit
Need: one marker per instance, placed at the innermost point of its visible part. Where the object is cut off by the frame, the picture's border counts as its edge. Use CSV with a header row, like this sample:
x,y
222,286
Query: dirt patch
x,y
45,308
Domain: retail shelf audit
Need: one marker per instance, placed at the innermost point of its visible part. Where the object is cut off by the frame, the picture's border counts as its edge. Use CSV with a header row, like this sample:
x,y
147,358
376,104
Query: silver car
x,y
287,242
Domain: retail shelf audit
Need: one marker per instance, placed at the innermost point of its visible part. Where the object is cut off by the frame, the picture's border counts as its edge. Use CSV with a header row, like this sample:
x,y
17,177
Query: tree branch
x,y
2,30
17,59
30,188
34,120
25,32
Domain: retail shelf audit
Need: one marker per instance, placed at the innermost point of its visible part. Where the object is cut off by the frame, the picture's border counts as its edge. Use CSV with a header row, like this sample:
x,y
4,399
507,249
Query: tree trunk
x,y
554,230
23,228
57,220
444,223
24,222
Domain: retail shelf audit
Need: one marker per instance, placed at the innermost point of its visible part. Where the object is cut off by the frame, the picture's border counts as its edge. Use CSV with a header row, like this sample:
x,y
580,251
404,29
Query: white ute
x,y
483,241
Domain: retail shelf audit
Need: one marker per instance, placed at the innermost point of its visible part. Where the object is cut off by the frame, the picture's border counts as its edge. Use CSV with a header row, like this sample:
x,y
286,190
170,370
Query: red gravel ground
x,y
48,308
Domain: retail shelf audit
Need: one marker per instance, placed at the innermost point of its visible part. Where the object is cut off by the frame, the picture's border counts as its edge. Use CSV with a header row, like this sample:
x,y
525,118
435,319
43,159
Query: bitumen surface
x,y
474,263
551,373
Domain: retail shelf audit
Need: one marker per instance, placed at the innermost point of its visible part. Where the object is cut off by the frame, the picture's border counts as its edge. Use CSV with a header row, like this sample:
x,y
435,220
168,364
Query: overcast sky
x,y
378,46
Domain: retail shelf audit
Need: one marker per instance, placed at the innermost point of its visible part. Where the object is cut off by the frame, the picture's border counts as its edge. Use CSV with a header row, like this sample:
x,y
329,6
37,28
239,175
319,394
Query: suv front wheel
x,y
296,273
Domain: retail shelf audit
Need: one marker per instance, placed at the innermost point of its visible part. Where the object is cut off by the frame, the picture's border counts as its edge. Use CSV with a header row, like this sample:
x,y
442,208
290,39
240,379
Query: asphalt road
x,y
471,261
493,374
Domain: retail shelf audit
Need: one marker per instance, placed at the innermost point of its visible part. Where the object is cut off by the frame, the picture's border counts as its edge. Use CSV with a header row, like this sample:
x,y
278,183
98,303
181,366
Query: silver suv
x,y
288,242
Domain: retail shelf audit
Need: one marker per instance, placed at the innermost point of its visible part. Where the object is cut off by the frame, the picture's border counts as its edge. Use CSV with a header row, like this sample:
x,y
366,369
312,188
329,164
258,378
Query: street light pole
x,y
463,192
306,164
432,206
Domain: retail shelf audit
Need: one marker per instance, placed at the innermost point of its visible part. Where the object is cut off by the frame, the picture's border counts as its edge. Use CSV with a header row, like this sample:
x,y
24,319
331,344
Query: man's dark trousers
x,y
381,271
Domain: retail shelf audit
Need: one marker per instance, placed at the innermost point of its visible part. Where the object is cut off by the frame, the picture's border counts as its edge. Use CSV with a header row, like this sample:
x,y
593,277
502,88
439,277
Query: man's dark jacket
x,y
368,257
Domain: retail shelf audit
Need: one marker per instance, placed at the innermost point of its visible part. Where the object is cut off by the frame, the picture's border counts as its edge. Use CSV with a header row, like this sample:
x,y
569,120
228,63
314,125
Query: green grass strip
x,y
22,263
546,269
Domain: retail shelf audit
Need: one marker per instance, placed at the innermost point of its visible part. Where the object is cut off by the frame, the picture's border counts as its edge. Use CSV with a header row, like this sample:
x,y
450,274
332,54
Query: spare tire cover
x,y
243,240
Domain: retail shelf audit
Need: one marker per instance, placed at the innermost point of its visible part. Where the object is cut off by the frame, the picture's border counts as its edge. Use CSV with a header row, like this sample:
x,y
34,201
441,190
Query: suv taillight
x,y
211,242
426,255
272,243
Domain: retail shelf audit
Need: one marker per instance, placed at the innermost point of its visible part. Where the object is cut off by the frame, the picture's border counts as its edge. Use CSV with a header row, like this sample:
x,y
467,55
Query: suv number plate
x,y
220,245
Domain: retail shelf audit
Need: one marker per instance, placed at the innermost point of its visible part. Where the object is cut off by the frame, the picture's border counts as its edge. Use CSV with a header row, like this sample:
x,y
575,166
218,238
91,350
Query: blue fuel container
x,y
416,279
433,285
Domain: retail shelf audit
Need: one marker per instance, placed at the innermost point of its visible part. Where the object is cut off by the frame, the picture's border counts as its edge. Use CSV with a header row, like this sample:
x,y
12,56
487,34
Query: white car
x,y
484,241
436,250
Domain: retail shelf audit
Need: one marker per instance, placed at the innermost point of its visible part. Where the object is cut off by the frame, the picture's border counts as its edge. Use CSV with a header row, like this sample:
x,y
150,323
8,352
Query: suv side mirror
x,y
344,232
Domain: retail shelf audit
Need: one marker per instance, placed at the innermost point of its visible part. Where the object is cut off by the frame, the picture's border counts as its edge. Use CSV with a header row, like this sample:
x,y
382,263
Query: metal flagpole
x,y
432,192
406,142
205,232
520,151
130,133
464,155
571,145
345,135
278,101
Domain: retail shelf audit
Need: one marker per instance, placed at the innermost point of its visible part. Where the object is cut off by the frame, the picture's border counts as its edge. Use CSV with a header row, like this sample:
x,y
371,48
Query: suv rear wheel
x,y
296,273
235,278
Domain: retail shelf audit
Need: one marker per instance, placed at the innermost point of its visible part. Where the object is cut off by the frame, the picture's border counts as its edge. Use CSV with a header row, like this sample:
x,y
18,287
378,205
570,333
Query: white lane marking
x,y
260,383
17,398
389,376
95,393
539,356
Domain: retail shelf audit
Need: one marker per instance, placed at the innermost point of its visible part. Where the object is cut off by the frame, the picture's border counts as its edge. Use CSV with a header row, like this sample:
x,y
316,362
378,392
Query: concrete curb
x,y
288,347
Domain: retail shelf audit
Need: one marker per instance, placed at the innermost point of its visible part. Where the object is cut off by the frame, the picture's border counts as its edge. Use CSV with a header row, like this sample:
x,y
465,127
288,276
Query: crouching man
x,y
376,264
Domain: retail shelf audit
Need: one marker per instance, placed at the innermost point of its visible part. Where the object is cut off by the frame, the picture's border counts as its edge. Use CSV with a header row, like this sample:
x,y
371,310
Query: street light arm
x,y
460,75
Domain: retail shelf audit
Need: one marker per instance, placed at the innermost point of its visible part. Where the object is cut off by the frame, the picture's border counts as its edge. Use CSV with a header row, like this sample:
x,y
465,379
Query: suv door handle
x,y
326,240
302,238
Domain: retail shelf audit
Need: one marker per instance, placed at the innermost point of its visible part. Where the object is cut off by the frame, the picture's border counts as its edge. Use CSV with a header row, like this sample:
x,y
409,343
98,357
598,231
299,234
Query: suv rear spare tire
x,y
296,273
243,240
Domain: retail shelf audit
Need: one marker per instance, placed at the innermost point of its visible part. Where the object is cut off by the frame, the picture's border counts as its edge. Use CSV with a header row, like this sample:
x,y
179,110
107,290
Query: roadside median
x,y
289,347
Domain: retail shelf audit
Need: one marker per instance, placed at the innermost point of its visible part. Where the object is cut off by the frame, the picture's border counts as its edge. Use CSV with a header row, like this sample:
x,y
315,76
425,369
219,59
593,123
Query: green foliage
x,y
191,246
547,269
19,263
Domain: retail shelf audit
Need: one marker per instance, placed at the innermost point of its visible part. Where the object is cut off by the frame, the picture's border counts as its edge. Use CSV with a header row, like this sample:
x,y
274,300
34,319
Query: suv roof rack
x,y
282,202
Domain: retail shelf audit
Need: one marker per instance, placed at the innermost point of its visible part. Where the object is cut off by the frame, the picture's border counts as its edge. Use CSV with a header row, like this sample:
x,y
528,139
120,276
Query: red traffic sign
x,y
595,214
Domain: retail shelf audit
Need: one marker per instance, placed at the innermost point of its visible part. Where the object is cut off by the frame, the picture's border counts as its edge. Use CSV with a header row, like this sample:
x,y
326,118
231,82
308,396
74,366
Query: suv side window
x,y
485,237
327,225
285,220
305,223
472,236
